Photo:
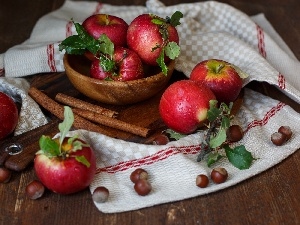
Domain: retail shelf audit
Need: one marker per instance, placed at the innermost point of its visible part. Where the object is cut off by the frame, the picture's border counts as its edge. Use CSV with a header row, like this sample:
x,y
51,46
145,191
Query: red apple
x,y
128,66
114,27
148,38
184,104
8,115
65,165
65,174
223,78
98,72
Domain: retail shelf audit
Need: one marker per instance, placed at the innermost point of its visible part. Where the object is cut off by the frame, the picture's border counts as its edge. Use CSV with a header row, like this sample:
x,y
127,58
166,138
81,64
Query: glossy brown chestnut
x,y
219,175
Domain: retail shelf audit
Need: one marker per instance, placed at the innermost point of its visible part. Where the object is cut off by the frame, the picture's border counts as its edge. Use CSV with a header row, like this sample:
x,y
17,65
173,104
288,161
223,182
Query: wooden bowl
x,y
114,92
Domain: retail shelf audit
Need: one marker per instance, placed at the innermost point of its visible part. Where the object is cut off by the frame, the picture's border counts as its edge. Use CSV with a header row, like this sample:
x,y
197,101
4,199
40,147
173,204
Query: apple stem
x,y
219,68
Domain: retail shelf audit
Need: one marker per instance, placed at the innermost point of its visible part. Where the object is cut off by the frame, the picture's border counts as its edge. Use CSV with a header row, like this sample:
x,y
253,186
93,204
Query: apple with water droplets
x,y
127,66
114,27
223,78
153,38
184,105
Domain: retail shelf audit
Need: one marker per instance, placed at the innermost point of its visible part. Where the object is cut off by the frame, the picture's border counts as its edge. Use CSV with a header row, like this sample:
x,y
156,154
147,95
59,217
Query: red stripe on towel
x,y
267,117
69,28
159,156
261,41
2,72
98,8
51,61
281,81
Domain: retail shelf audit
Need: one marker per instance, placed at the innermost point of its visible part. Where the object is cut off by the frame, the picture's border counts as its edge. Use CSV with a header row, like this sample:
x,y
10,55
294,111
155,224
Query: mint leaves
x,y
215,139
170,49
219,119
48,147
239,156
56,148
80,43
102,48
175,18
66,125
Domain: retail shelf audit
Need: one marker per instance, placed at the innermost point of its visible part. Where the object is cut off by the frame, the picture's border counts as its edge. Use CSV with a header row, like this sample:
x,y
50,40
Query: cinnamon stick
x,y
77,103
112,122
58,110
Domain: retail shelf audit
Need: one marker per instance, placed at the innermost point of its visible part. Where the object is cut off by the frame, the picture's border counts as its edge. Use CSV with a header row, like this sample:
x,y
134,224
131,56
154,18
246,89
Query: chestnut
x,y
161,140
234,133
35,189
142,187
286,130
219,175
278,138
100,194
5,175
202,180
138,174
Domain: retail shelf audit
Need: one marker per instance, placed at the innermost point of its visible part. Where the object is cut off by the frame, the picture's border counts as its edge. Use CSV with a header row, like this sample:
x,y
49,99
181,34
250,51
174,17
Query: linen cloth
x,y
208,30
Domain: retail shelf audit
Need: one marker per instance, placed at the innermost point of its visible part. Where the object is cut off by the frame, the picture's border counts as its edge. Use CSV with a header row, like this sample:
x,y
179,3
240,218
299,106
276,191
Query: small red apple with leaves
x,y
114,27
124,65
184,105
65,165
9,115
223,78
154,39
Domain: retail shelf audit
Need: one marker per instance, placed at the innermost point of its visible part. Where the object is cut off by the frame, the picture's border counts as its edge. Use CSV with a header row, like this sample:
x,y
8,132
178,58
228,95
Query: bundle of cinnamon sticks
x,y
86,115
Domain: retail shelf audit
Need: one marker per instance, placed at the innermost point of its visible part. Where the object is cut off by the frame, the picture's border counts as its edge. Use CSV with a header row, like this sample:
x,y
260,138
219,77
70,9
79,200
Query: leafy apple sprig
x,y
102,48
169,48
215,138
53,148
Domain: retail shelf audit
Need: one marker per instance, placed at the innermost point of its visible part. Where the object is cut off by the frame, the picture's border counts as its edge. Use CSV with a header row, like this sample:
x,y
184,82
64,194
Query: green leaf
x,y
213,112
213,157
103,44
90,43
79,44
219,139
73,45
225,123
65,126
175,18
72,139
48,146
78,145
172,50
175,135
107,46
226,108
239,156
82,33
157,20
161,62
83,160
107,64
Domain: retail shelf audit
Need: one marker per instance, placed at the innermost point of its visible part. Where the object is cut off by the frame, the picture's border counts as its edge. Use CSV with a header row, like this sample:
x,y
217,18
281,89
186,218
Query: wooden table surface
x,y
271,197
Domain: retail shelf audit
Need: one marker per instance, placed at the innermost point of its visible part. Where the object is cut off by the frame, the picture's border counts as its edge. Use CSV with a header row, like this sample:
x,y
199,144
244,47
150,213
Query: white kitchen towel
x,y
209,30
